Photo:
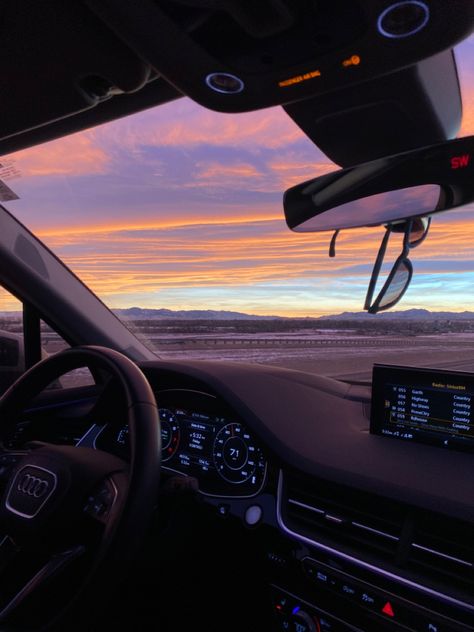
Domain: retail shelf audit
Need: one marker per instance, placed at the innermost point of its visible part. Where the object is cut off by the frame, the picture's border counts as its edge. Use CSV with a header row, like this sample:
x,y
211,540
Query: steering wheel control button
x,y
7,461
30,490
100,503
253,515
403,19
224,83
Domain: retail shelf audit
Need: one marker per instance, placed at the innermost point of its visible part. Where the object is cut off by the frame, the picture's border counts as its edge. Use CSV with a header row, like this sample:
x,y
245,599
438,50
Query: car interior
x,y
179,494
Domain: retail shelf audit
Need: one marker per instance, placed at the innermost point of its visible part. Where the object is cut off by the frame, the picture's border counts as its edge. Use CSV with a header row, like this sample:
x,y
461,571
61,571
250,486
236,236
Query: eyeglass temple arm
x,y
332,245
377,267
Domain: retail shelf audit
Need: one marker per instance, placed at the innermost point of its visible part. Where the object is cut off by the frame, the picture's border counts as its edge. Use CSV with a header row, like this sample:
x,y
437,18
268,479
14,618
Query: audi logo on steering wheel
x,y
33,486
30,490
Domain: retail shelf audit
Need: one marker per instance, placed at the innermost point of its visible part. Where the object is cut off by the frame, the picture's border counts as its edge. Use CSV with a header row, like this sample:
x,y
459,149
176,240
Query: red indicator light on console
x,y
388,610
460,162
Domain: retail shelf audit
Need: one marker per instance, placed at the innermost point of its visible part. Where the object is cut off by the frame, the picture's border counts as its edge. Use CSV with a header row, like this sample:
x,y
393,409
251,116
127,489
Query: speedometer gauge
x,y
237,457
169,434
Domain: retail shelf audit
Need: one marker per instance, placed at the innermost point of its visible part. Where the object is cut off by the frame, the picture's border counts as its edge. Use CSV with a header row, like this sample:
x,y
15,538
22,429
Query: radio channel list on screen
x,y
440,407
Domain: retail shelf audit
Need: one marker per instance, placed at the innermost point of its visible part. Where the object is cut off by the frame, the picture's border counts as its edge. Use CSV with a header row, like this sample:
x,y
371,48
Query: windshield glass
x,y
174,217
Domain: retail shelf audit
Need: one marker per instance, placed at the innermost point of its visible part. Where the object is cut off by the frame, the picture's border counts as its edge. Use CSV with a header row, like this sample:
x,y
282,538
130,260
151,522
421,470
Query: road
x,y
349,358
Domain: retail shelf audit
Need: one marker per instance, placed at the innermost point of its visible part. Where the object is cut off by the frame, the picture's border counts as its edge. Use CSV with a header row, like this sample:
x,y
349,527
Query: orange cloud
x,y
467,127
230,176
213,170
167,257
186,124
72,155
291,171
276,176
8,302
146,259
77,233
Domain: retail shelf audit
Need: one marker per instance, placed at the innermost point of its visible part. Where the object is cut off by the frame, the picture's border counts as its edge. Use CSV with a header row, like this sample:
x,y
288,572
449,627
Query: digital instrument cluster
x,y
206,442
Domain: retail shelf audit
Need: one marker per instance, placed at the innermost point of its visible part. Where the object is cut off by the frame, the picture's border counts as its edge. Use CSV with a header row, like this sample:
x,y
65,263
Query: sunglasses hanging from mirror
x,y
397,282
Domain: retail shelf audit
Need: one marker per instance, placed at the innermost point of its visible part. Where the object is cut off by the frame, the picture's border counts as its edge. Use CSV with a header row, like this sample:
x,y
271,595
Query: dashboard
x,y
202,438
346,530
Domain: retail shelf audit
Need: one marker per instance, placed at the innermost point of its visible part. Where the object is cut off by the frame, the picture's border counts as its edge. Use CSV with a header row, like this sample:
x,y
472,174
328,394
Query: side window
x,y
12,349
52,342
12,358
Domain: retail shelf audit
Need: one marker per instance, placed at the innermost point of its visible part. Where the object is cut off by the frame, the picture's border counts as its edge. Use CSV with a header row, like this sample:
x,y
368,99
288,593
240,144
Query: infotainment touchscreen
x,y
426,406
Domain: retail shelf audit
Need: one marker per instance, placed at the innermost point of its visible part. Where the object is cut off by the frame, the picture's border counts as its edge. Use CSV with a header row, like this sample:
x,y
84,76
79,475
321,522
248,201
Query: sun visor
x,y
417,106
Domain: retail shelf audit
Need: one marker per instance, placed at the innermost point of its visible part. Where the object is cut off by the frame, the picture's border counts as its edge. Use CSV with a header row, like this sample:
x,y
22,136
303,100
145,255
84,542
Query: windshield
x,y
174,217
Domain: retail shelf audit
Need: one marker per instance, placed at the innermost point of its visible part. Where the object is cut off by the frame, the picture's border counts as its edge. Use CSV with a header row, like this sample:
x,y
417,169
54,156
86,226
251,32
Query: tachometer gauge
x,y
169,434
237,457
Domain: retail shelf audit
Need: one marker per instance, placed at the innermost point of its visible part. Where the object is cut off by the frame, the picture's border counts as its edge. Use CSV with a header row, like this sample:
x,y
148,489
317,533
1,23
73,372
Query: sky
x,y
179,207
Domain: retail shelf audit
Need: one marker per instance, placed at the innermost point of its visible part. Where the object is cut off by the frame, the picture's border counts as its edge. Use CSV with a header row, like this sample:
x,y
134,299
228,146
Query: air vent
x,y
445,548
335,515
431,548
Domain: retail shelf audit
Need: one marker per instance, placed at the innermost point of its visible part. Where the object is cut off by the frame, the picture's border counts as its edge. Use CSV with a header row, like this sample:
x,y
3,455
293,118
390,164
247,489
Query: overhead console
x,y
413,107
235,56
70,65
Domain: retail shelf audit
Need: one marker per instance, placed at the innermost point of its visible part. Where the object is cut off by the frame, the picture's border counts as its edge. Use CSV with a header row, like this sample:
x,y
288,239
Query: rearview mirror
x,y
385,191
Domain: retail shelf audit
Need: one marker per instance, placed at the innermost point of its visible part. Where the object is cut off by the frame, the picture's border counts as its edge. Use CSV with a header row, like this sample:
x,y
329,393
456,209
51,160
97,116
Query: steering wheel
x,y
72,517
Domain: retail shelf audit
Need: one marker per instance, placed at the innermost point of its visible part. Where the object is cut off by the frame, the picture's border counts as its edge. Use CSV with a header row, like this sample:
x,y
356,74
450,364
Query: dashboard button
x,y
321,576
348,590
416,620
304,622
285,623
281,604
368,599
309,568
325,624
223,509
253,515
388,610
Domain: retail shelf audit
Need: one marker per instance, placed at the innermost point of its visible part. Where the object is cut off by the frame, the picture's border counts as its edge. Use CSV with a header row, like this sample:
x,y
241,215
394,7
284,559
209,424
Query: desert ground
x,y
346,350
341,349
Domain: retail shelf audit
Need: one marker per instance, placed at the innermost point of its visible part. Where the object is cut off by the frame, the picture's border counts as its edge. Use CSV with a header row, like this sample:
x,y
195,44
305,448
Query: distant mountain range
x,y
408,314
139,313
142,313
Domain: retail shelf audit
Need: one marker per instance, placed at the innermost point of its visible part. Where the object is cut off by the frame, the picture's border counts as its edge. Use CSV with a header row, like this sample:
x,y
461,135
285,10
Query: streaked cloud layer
x,y
180,207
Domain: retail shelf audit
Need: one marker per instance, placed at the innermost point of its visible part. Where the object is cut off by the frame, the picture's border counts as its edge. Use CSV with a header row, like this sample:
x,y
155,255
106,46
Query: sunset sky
x,y
180,207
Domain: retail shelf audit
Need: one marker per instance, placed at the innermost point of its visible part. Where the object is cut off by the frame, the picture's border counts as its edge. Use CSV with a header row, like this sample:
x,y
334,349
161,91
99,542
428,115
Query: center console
x,y
357,560
334,597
